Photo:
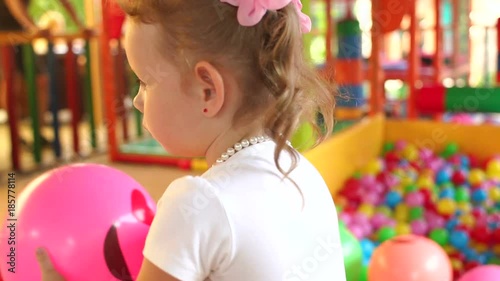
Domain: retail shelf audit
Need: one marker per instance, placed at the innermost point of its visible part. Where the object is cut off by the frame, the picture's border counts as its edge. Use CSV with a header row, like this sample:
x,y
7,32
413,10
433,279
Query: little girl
x,y
226,79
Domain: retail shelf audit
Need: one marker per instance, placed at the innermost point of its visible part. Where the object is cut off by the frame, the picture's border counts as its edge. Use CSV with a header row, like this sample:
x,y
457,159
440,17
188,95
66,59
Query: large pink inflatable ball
x,y
92,219
409,258
482,273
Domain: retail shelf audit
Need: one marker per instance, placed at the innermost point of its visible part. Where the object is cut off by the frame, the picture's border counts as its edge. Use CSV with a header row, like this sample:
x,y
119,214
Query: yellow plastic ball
x,y
468,220
374,167
425,182
476,176
493,169
366,209
446,206
402,228
495,194
480,247
465,207
449,249
401,212
410,153
496,249
456,264
406,180
384,210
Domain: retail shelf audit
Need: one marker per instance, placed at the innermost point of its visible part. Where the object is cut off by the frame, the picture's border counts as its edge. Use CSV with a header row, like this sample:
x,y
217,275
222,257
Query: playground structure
x,y
361,75
75,95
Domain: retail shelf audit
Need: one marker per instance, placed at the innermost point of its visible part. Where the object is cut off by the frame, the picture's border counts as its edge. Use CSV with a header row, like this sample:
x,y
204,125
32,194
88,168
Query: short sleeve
x,y
190,236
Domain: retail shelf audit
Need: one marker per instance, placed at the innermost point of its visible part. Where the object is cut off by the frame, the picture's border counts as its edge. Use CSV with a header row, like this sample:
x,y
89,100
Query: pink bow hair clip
x,y
250,12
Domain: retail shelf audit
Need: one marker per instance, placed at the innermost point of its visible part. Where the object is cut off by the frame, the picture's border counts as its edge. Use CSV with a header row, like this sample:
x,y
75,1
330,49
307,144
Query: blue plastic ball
x,y
465,161
451,224
443,176
393,198
447,193
459,239
367,246
479,195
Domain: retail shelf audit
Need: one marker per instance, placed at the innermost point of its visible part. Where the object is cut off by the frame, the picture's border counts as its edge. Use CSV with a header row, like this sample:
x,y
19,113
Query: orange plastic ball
x,y
410,258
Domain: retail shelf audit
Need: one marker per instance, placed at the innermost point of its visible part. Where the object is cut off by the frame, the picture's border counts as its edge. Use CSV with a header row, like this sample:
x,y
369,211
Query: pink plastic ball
x,y
482,273
83,215
414,199
400,145
346,218
419,227
409,258
435,221
370,198
378,220
357,231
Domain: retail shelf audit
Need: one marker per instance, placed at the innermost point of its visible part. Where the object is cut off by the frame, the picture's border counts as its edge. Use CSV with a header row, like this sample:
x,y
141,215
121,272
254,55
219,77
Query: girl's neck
x,y
227,139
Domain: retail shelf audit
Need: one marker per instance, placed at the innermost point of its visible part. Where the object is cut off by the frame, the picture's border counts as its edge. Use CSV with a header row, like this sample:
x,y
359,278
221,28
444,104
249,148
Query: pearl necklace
x,y
239,146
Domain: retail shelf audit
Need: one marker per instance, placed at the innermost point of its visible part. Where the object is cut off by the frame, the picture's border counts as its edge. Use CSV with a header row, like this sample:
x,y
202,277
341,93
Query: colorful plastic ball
x,y
384,210
414,199
393,198
446,206
449,150
476,177
479,195
459,239
494,194
464,207
467,220
374,167
411,188
410,258
462,194
447,193
425,182
353,255
378,220
402,228
440,236
443,176
482,273
388,146
91,219
459,177
410,153
401,212
367,247
385,233
419,227
367,209
416,213
493,169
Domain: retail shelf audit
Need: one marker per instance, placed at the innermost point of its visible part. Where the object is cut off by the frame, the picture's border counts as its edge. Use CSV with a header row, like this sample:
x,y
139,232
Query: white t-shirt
x,y
241,221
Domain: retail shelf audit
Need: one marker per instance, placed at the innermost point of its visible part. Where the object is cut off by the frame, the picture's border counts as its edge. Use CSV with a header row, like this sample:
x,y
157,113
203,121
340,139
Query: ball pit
x,y
449,197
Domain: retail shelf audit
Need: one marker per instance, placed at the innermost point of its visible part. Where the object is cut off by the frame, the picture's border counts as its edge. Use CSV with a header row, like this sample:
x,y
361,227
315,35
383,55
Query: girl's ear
x,y
212,87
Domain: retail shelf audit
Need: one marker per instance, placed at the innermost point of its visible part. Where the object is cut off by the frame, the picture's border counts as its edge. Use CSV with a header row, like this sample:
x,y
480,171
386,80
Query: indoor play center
x,y
413,163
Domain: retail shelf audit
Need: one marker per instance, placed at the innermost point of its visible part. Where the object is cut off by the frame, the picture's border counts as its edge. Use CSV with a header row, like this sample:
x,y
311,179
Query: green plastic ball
x,y
494,260
440,236
388,146
462,194
385,233
449,150
410,188
364,274
353,254
416,213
